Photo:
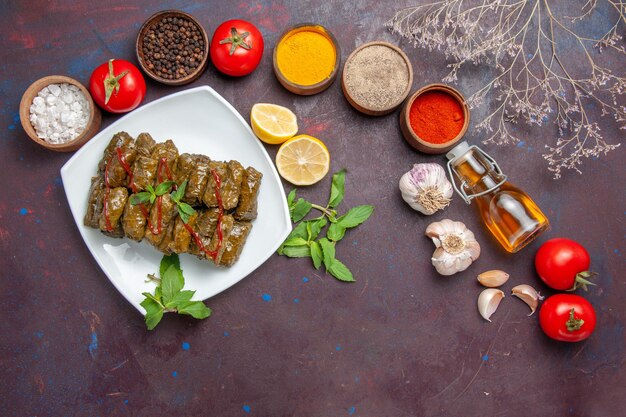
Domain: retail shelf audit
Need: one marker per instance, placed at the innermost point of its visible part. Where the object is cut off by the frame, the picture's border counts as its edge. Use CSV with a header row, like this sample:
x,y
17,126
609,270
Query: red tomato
x,y
236,47
563,264
567,317
117,86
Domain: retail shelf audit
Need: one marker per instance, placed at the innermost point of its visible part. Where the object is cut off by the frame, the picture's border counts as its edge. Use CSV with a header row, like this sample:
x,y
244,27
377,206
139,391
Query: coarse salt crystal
x,y
59,113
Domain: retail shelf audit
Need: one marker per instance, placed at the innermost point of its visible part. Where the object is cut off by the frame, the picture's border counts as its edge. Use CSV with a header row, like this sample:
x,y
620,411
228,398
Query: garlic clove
x,y
529,295
493,278
488,302
474,249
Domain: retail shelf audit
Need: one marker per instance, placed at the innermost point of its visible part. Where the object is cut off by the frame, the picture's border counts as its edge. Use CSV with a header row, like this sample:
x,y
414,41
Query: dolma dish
x,y
179,203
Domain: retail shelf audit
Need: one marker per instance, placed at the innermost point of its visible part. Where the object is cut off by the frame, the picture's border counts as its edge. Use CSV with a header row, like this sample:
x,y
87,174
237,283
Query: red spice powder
x,y
436,117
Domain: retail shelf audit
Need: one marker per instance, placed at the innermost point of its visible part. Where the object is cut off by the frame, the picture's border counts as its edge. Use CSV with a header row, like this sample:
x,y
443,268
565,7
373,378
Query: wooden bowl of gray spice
x,y
377,77
172,47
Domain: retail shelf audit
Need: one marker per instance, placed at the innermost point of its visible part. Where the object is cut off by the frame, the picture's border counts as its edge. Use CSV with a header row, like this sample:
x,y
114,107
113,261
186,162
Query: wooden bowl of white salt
x,y
58,113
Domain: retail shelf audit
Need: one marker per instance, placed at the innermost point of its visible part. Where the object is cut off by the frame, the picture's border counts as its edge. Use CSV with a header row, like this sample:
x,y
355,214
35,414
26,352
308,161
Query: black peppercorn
x,y
173,47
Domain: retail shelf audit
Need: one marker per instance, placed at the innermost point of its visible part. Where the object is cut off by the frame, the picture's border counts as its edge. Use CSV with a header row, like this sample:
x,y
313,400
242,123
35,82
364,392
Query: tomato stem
x,y
573,323
582,281
236,39
112,82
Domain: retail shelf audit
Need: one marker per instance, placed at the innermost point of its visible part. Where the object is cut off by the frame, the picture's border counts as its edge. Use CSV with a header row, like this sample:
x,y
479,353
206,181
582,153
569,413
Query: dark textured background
x,y
290,341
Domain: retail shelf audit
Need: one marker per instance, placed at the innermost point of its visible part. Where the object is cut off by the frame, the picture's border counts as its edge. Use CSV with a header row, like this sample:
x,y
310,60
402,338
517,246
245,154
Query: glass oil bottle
x,y
508,212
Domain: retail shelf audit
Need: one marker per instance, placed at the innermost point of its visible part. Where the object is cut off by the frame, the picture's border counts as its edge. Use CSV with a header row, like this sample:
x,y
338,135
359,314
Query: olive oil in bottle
x,y
508,212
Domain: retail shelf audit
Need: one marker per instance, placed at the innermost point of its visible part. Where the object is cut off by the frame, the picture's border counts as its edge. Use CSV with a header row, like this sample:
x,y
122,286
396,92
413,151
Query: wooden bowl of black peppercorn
x,y
172,47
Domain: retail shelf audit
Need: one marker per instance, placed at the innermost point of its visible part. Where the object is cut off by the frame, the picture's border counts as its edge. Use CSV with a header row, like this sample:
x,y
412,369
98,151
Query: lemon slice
x,y
303,160
273,124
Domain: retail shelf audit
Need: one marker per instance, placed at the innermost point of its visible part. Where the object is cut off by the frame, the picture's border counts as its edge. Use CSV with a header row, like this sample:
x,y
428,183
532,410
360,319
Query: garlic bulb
x,y
488,302
426,188
456,246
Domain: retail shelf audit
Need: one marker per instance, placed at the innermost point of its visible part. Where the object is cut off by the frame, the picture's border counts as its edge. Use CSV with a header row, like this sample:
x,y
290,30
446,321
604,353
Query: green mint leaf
x,y
171,283
184,216
167,261
187,208
154,312
163,188
340,271
296,251
300,209
337,188
154,298
180,298
355,216
295,241
139,198
152,198
315,226
335,232
180,192
196,309
316,254
298,231
290,199
328,251
150,189
185,211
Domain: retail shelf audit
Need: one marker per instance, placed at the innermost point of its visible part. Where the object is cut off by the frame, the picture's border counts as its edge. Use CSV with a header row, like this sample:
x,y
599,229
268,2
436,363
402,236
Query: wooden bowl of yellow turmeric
x,y
306,59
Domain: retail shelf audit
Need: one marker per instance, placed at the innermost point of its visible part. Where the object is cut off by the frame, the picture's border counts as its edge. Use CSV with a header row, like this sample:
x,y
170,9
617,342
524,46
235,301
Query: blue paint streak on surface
x,y
125,401
11,127
337,348
93,346
305,279
58,181
226,334
39,334
267,297
174,374
351,410
185,345
296,300
521,144
246,408
485,357
23,211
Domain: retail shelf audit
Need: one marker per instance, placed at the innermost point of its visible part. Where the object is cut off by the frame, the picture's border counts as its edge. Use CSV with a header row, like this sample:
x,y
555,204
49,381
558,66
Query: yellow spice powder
x,y
306,56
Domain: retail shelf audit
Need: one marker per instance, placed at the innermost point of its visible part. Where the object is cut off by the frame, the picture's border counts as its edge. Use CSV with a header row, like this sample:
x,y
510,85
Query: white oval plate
x,y
200,121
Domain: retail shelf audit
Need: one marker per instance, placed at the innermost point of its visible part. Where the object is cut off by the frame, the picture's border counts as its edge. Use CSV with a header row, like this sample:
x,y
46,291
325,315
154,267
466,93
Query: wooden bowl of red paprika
x,y
434,118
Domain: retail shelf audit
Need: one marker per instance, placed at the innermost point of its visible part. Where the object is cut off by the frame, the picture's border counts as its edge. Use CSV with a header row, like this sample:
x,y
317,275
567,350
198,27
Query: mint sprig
x,y
169,296
305,240
151,193
185,211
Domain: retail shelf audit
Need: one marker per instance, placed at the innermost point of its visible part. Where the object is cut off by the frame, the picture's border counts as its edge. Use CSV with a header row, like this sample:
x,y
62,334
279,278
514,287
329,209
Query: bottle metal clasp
x,y
462,189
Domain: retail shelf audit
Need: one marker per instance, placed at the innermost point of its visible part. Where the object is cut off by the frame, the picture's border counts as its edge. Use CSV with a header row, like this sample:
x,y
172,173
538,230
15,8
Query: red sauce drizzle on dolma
x,y
126,167
107,189
212,254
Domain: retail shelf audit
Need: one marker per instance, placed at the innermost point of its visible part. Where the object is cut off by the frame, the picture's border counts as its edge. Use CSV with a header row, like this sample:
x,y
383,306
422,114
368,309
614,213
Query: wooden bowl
x,y
304,89
93,124
144,61
417,142
363,107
